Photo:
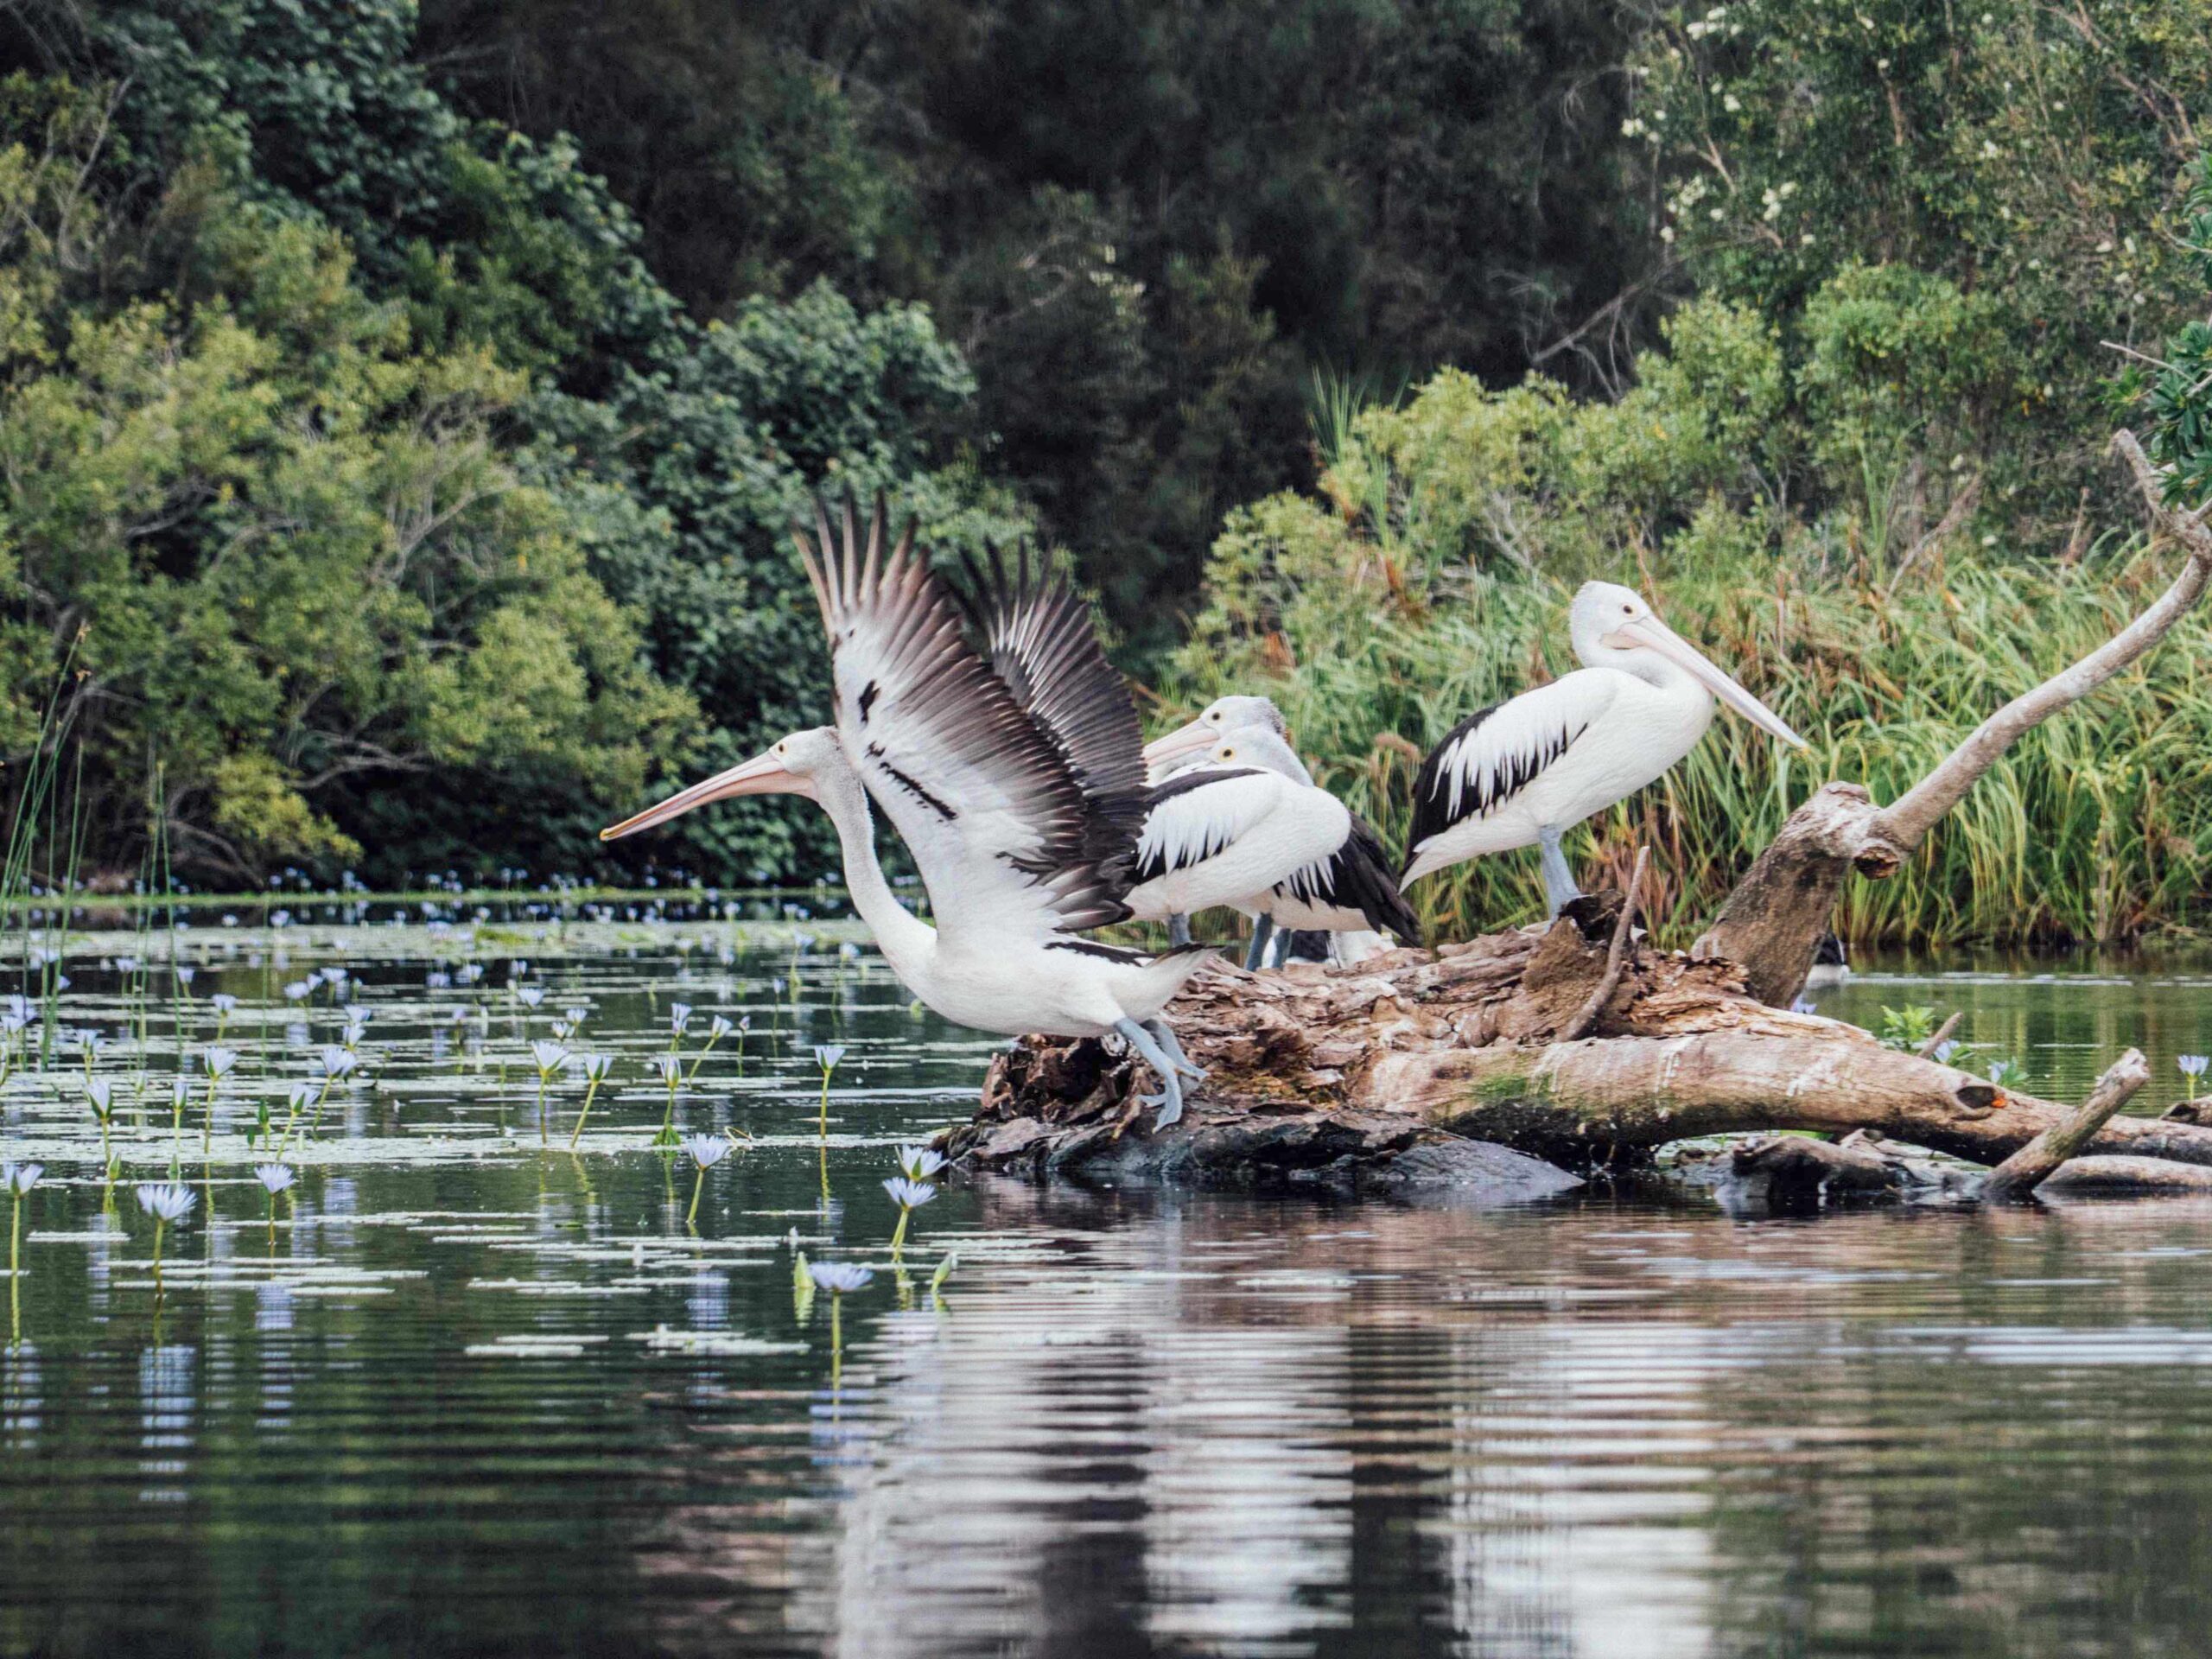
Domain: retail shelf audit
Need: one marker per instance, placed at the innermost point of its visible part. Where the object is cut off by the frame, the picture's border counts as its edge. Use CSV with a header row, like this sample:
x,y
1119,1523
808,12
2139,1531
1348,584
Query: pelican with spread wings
x,y
1016,774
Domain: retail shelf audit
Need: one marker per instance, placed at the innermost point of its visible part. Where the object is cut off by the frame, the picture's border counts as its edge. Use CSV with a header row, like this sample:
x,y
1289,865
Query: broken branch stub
x,y
2035,1163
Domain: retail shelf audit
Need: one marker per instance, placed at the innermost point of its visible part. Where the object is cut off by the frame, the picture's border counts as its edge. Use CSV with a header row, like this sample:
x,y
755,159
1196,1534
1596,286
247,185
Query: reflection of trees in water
x,y
2012,1459
1196,1424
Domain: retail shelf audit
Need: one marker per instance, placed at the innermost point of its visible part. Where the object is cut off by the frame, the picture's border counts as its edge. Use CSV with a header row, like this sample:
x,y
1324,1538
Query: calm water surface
x,y
470,1393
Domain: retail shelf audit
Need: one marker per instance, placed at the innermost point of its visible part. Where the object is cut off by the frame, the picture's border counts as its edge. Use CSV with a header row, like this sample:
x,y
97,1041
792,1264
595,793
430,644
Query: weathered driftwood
x,y
1318,1068
1569,1043
2037,1162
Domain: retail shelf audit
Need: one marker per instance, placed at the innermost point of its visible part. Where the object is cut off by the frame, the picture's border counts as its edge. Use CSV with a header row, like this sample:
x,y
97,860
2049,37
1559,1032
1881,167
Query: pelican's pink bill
x,y
1650,632
763,775
1183,739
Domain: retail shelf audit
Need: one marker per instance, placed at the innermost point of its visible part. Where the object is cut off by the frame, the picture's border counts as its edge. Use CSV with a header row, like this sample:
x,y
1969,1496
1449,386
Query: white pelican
x,y
1242,830
1184,749
1017,783
1529,770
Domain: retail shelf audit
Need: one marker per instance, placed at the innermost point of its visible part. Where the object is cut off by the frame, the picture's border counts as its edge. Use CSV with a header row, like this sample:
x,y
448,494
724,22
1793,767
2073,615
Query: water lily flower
x,y
679,1016
17,1180
1943,1052
839,1277
167,1200
707,1151
909,1196
594,1068
218,1062
532,995
548,1055
920,1163
2193,1067
277,1177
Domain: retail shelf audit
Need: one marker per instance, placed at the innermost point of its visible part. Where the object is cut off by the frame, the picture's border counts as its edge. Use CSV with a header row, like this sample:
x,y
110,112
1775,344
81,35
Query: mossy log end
x,y
1346,1071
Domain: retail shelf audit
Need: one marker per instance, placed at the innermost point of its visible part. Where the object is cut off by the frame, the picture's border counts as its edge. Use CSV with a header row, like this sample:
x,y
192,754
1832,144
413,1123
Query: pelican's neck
x,y
905,940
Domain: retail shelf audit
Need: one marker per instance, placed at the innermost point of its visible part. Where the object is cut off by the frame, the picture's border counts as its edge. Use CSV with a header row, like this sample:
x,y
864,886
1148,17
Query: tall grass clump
x,y
1882,621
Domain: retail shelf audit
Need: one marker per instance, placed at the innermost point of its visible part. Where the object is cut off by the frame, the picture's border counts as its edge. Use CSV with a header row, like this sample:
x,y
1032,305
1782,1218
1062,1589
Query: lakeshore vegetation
x,y
401,409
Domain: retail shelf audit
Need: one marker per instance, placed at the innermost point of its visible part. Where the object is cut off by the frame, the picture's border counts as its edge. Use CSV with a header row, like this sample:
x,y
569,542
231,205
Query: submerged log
x,y
1570,1043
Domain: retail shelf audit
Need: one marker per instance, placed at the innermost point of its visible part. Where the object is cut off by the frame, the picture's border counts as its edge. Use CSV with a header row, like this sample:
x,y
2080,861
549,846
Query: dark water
x,y
472,1395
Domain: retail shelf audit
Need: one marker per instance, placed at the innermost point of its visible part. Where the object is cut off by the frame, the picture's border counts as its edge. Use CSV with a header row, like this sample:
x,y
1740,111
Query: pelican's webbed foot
x,y
1164,1034
1169,1100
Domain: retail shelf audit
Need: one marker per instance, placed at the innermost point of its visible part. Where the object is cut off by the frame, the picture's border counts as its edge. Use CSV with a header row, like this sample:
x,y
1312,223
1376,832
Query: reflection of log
x,y
1544,1041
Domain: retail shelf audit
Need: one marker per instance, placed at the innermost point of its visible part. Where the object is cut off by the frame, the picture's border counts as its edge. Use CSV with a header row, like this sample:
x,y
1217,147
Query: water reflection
x,y
469,1397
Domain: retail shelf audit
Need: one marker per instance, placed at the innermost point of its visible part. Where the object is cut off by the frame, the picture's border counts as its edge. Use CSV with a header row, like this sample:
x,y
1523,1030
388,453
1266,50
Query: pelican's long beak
x,y
763,775
1183,739
1655,635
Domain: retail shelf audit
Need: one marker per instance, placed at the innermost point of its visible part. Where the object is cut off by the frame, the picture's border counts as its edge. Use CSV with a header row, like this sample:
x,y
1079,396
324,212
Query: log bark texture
x,y
1316,1070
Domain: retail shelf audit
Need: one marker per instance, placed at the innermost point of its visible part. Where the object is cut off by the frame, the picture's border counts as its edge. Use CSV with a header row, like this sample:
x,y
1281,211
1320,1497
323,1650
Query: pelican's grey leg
x,y
1559,880
1170,1098
1166,1035
1179,931
1262,925
1279,948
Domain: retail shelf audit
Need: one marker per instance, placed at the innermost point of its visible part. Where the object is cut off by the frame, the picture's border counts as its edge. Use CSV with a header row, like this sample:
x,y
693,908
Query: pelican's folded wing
x,y
1496,752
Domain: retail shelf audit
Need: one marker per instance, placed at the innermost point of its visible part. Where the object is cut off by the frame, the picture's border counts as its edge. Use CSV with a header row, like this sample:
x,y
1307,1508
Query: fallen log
x,y
1570,1044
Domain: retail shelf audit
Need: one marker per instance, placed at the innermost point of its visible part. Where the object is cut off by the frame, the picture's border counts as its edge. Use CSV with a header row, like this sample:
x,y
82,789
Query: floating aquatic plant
x,y
594,1068
2192,1067
909,1196
166,1202
707,1151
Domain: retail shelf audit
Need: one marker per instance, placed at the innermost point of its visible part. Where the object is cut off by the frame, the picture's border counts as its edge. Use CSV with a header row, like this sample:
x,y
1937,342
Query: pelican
x,y
1181,749
1527,770
1015,776
1184,749
1242,830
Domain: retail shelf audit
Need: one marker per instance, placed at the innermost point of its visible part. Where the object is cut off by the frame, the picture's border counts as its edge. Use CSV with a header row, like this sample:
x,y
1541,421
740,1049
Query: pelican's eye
x,y
1229,754
1628,610
1215,716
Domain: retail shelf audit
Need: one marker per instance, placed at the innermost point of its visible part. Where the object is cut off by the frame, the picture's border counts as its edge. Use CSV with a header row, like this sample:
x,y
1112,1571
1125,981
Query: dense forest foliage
x,y
401,409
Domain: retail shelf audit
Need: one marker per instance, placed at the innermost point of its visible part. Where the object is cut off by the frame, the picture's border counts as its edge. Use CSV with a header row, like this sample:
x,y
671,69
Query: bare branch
x,y
1927,1050
2035,1163
1906,823
1615,957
